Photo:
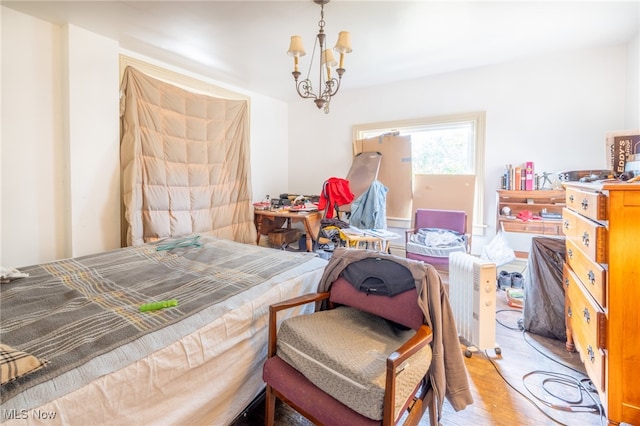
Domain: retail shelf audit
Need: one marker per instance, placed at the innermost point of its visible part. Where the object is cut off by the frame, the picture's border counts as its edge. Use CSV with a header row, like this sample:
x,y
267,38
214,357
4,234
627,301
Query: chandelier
x,y
328,86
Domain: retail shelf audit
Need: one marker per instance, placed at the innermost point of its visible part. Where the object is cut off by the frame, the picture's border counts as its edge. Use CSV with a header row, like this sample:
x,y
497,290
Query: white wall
x,y
33,183
92,107
60,142
554,110
632,118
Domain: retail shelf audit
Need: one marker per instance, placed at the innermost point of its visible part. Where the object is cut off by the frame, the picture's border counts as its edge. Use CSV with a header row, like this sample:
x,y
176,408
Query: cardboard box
x,y
281,237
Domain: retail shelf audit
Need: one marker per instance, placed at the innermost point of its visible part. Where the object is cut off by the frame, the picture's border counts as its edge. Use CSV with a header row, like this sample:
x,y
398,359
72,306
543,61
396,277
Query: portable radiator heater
x,y
472,295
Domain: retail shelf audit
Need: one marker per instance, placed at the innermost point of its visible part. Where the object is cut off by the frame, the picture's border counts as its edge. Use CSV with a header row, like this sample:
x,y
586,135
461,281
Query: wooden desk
x,y
268,220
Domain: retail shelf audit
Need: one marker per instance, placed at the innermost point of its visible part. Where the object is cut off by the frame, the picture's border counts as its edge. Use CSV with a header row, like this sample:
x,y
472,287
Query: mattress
x,y
349,362
200,363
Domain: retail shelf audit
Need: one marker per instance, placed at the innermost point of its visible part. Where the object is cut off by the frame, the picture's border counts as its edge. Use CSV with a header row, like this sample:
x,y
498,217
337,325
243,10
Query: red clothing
x,y
335,192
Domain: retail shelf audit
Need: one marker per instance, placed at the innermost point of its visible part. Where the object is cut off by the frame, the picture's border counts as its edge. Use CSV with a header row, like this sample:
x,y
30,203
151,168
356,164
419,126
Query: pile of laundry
x,y
436,237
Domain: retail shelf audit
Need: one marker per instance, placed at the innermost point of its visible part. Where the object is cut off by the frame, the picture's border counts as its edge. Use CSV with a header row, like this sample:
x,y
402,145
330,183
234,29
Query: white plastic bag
x,y
498,250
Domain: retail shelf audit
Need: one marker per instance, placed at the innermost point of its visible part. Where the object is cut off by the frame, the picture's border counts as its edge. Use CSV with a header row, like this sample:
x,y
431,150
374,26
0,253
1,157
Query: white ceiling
x,y
244,43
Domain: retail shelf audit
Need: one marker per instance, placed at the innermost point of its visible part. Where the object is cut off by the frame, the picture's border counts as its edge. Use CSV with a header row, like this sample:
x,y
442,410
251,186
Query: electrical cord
x,y
569,406
521,393
524,334
504,325
524,337
583,385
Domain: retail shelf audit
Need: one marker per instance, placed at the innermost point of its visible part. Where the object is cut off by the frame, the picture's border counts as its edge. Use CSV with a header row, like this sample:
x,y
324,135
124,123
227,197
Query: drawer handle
x,y
585,238
566,282
566,224
569,312
586,315
592,355
592,277
571,198
570,253
585,204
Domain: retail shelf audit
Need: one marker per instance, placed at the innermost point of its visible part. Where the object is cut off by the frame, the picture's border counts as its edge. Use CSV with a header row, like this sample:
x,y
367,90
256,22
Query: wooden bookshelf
x,y
549,201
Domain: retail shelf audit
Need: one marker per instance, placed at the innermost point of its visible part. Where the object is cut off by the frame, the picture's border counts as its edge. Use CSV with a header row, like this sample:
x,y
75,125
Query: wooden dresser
x,y
601,222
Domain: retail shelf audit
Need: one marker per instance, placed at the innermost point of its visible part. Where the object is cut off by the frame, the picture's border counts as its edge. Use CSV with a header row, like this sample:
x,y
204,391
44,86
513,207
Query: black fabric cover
x,y
379,276
543,310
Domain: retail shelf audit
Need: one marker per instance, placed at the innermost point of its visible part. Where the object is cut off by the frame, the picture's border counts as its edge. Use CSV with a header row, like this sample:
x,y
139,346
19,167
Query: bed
x,y
199,362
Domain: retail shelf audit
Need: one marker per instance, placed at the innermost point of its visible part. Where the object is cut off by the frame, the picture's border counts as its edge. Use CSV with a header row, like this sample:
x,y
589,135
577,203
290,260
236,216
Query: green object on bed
x,y
154,306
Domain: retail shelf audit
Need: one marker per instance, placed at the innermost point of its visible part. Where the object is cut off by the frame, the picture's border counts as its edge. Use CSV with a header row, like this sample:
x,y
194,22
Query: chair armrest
x,y
468,242
423,337
408,233
297,301
287,304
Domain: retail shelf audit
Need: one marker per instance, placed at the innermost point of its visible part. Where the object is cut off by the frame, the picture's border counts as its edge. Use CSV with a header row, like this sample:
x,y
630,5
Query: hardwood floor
x,y
506,388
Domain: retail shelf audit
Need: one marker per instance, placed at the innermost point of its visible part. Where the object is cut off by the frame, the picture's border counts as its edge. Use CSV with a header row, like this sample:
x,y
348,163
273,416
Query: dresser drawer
x,y
592,275
590,204
569,225
587,323
590,236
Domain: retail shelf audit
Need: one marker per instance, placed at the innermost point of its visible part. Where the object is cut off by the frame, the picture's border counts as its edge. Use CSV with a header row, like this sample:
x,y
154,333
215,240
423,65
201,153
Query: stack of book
x,y
520,178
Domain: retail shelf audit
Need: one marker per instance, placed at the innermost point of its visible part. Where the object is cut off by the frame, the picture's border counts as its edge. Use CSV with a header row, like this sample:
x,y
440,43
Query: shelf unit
x,y
551,201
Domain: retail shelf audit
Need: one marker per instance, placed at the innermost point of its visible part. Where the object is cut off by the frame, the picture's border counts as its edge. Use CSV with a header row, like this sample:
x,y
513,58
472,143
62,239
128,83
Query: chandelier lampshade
x,y
296,49
328,86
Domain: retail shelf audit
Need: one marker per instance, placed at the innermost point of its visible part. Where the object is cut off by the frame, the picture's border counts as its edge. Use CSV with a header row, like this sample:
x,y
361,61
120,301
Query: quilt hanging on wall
x,y
185,164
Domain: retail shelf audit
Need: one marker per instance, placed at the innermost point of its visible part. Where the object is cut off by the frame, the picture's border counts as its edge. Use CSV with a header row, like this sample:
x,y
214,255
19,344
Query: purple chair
x,y
293,388
452,220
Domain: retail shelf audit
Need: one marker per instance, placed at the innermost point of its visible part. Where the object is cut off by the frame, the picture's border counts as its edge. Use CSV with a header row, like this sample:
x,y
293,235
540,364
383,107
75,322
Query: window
x,y
440,146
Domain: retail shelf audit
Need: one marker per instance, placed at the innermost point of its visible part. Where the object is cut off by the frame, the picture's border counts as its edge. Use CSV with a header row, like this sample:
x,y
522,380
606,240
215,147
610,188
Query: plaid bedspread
x,y
73,310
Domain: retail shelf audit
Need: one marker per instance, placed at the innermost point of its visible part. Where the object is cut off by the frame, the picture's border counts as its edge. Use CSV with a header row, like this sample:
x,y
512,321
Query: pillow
x,y
15,363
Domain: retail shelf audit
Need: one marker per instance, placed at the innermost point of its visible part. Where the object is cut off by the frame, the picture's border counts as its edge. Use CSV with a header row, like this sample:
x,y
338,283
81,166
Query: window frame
x,y
477,117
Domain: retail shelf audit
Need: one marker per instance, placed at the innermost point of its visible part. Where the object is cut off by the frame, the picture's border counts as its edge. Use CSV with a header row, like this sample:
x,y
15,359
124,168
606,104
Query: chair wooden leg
x,y
269,407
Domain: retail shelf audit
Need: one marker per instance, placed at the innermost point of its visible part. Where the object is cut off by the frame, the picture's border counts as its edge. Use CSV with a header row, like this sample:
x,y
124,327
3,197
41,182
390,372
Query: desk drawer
x,y
590,204
587,323
590,236
519,226
533,227
592,275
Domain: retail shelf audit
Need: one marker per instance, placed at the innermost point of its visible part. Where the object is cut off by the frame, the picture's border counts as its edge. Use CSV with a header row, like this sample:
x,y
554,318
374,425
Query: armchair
x,y
431,219
364,360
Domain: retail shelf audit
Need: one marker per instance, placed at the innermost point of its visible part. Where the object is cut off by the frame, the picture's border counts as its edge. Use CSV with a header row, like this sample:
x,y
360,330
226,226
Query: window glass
x,y
441,145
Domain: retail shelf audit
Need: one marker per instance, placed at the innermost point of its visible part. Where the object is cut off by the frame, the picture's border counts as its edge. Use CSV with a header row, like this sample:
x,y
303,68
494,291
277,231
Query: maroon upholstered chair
x,y
308,396
452,220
